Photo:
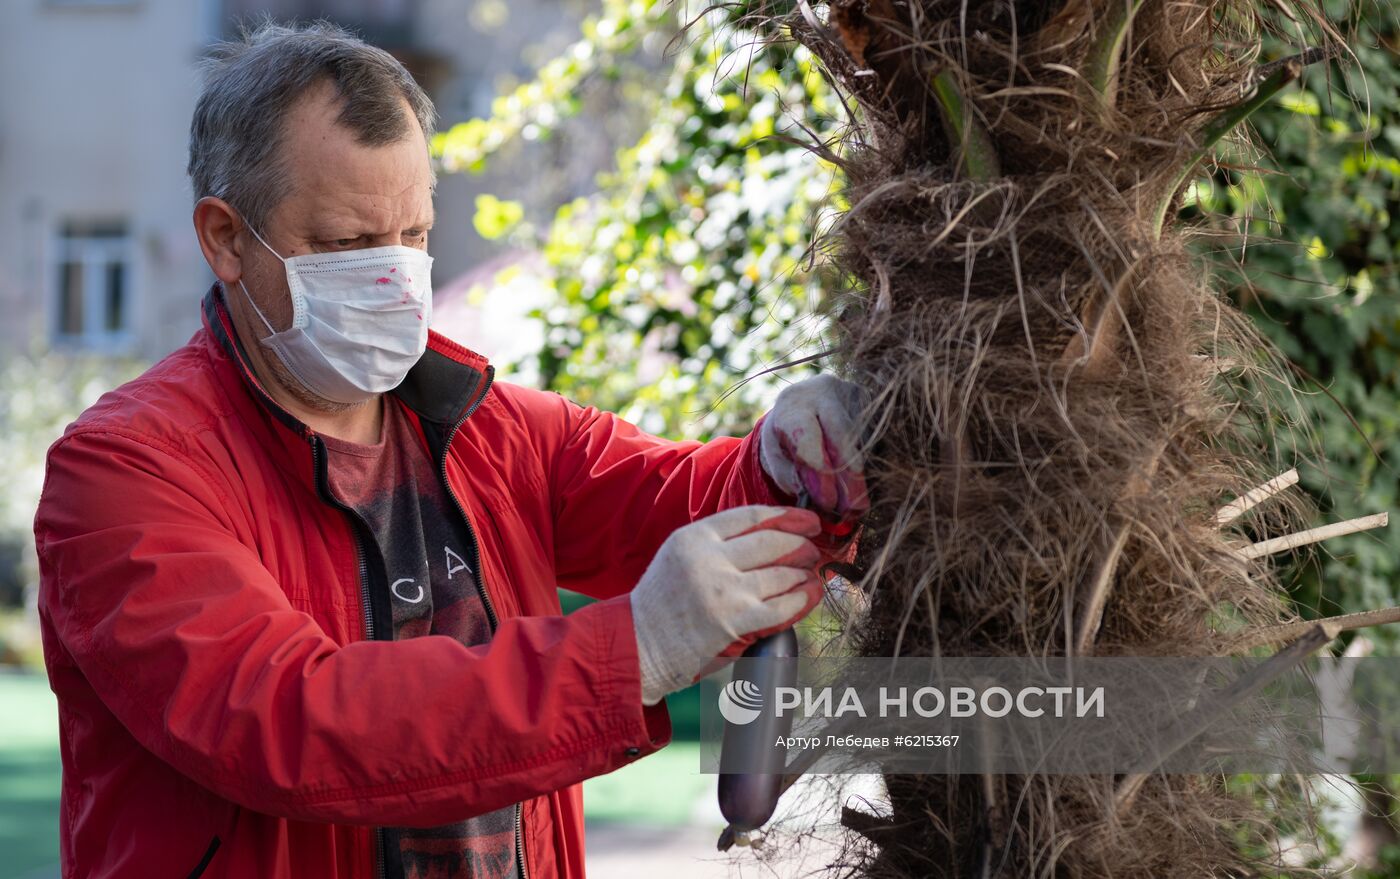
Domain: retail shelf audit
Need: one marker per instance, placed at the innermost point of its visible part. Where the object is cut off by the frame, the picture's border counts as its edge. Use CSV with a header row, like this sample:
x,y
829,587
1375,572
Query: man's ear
x,y
217,225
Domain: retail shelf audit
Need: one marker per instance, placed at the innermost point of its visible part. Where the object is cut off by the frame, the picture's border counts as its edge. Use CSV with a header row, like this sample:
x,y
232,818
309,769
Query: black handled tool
x,y
747,799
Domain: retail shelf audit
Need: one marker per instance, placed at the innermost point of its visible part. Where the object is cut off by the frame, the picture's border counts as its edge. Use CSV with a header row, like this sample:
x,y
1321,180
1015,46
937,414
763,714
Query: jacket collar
x,y
442,387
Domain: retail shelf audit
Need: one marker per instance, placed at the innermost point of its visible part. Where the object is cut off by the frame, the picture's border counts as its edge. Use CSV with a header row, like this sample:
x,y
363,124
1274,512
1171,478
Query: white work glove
x,y
808,446
717,585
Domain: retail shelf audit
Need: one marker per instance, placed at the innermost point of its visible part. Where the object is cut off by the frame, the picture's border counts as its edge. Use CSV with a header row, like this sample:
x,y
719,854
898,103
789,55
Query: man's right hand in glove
x,y
719,584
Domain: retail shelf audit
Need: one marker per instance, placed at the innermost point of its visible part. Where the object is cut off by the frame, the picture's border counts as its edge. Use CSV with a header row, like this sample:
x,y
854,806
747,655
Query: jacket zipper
x,y
520,840
461,511
366,607
481,582
379,854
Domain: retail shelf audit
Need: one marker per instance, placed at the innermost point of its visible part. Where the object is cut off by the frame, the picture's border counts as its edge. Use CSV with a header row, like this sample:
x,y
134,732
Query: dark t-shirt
x,y
434,591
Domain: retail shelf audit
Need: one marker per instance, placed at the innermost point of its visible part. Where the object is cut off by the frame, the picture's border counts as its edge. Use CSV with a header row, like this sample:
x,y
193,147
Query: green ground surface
x,y
29,775
661,790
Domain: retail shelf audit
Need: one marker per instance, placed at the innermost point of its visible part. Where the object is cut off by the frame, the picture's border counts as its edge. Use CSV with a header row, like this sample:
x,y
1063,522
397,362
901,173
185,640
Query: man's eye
x,y
338,243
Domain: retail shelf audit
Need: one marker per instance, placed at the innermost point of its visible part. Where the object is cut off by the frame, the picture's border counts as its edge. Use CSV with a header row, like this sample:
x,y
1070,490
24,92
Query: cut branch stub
x,y
877,829
1280,634
1306,58
1254,497
976,154
1196,722
1314,535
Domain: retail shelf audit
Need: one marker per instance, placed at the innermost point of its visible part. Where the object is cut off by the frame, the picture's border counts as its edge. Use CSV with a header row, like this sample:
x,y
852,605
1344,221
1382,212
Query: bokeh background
x,y
627,215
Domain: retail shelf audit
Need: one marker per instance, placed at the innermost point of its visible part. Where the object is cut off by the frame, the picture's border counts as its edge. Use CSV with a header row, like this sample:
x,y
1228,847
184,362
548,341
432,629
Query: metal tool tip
x,y
726,839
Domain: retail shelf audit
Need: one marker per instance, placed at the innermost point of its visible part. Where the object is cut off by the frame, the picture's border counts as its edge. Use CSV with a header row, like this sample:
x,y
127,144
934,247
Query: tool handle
x,y
748,800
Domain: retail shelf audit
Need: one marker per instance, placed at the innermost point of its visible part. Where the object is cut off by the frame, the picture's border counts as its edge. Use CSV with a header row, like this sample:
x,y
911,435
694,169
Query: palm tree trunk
x,y
1051,434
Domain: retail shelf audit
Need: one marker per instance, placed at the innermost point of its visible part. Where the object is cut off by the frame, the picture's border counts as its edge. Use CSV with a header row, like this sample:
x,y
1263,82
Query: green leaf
x,y
495,218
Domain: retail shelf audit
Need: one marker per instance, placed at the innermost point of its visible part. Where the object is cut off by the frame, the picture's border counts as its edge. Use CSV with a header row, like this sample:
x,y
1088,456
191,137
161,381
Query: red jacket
x,y
205,610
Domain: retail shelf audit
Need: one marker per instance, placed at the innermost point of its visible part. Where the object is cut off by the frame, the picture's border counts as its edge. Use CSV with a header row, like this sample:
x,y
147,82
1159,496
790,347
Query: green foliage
x,y
689,269
533,109
1317,269
494,218
39,396
690,272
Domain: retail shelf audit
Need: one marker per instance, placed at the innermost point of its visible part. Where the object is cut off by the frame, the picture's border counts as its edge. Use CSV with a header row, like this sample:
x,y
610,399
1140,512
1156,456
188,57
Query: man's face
x,y
341,195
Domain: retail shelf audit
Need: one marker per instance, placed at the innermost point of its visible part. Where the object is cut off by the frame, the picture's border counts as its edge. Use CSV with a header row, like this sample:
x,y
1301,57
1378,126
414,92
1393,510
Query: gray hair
x,y
252,82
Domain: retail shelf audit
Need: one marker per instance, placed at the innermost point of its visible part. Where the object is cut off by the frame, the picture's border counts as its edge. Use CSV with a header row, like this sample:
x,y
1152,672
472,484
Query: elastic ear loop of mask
x,y
261,316
288,364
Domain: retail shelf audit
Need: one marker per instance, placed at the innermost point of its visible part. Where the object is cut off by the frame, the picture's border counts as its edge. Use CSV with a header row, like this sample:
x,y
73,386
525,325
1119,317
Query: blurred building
x,y
97,252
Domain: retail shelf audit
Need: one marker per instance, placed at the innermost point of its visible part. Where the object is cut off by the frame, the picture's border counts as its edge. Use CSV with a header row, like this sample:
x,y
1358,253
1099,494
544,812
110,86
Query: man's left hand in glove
x,y
809,446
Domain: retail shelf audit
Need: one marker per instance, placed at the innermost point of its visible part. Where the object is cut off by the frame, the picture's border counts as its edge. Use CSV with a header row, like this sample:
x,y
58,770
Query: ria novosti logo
x,y
740,701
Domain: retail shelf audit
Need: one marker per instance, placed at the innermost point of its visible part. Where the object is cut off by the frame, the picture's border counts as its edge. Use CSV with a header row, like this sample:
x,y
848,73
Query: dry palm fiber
x,y
1051,432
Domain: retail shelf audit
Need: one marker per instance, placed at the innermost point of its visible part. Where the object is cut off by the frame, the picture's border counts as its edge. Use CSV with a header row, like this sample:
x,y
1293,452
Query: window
x,y
93,301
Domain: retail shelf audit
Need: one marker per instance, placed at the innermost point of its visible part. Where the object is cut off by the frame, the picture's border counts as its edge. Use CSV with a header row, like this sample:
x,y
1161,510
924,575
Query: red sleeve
x,y
617,492
192,645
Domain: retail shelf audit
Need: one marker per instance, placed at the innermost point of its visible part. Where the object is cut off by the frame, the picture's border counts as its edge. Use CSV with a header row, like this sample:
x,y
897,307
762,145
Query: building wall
x,y
94,108
95,101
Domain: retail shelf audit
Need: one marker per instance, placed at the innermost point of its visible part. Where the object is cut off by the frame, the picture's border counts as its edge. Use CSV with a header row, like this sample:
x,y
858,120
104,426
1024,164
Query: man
x,y
299,579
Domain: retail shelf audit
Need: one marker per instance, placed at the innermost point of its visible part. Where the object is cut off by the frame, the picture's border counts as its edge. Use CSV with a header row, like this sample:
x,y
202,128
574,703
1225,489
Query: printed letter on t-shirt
x,y
460,566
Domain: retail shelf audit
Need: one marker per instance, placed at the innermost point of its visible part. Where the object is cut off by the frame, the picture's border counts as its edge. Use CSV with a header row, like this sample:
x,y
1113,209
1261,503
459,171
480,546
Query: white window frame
x,y
95,254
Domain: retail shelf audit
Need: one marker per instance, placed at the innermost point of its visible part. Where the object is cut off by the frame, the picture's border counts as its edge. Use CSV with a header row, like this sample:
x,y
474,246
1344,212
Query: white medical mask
x,y
359,319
